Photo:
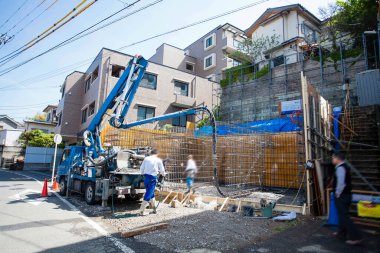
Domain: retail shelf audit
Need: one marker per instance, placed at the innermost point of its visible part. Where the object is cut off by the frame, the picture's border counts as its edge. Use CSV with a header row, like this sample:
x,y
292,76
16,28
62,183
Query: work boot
x,y
142,208
153,204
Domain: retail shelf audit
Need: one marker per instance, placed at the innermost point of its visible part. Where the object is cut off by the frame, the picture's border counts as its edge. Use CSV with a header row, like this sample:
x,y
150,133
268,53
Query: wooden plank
x,y
320,183
167,197
224,203
238,208
186,197
143,230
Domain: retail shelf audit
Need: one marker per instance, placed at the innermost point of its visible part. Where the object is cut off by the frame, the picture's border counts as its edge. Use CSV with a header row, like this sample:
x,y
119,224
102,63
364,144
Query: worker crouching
x,y
150,168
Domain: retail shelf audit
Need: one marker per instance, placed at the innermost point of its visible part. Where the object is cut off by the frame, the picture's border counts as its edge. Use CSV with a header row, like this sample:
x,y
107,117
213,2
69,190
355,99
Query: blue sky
x,y
31,87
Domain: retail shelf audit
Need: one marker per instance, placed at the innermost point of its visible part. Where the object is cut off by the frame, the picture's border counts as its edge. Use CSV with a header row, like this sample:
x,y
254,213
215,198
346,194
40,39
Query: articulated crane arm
x,y
118,102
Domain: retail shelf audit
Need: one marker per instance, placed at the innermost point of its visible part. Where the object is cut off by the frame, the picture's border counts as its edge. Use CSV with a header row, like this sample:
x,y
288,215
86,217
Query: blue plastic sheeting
x,y
336,114
265,126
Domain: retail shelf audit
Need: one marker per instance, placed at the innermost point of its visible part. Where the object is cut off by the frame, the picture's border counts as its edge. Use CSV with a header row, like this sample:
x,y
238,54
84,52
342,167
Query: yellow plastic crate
x,y
367,209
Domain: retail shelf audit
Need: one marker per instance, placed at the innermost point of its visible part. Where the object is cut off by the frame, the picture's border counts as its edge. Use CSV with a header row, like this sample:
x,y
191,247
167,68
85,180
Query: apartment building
x,y
298,30
164,89
205,57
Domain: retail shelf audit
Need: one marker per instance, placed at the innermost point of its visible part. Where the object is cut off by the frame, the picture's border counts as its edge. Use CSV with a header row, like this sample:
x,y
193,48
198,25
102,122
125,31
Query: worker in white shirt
x,y
190,171
150,168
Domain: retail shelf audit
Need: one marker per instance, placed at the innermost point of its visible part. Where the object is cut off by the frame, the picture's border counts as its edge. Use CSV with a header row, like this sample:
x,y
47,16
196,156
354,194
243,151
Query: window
x,y
84,115
144,112
65,155
180,121
149,81
279,60
210,42
181,88
48,116
117,71
59,119
209,61
95,74
236,43
190,66
87,84
91,109
236,63
310,34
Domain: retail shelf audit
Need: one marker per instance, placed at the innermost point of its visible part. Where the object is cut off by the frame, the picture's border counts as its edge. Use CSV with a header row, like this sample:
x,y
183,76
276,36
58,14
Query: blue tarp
x,y
336,114
267,126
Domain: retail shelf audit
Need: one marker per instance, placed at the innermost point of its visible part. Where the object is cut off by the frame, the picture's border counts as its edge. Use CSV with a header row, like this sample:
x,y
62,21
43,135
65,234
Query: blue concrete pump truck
x,y
100,171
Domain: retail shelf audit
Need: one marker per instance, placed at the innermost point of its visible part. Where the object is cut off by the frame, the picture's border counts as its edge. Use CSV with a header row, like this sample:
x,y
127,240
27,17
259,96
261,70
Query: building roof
x,y
270,12
49,107
40,122
9,118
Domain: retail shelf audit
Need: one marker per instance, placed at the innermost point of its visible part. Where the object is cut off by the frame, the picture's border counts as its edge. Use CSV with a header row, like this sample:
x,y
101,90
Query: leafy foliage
x,y
242,73
205,121
39,117
251,50
37,138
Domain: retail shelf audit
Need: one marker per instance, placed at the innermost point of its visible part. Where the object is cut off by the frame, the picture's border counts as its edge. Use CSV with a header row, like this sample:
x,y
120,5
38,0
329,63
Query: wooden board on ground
x,y
143,230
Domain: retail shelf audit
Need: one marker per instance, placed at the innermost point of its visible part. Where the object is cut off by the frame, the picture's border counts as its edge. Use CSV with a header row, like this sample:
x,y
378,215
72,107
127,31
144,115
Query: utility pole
x,y
378,29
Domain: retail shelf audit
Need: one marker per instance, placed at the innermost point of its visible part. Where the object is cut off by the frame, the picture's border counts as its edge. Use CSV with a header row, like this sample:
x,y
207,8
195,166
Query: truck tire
x,y
63,186
134,197
89,193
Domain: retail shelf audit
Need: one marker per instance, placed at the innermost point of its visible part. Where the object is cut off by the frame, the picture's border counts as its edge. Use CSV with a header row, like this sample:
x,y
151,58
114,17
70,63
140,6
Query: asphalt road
x,y
29,223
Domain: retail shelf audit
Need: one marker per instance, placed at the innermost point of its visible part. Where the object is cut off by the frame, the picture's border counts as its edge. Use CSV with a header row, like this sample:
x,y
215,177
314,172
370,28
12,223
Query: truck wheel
x,y
134,197
63,186
89,193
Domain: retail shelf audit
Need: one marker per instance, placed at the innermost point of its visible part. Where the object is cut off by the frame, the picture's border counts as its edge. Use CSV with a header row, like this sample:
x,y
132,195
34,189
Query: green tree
x,y
350,17
37,138
39,117
251,50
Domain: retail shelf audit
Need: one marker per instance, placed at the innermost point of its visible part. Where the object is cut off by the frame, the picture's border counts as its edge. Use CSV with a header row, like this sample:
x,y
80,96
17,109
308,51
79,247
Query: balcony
x,y
183,101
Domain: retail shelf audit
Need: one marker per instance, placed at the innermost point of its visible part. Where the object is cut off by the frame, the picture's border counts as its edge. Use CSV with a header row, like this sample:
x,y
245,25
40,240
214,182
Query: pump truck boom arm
x,y
118,102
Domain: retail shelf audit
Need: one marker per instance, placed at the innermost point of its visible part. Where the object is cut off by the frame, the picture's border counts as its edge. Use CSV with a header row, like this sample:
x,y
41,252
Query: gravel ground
x,y
189,228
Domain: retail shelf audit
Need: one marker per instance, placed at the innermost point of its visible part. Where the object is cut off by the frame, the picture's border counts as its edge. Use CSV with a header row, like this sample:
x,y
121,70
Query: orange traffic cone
x,y
45,189
55,184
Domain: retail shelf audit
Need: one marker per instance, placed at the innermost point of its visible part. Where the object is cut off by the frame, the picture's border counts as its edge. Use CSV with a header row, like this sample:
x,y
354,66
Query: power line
x,y
88,28
14,13
30,22
44,32
5,71
27,15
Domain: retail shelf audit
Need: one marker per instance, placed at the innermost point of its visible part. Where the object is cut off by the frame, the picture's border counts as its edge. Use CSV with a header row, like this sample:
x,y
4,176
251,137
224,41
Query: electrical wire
x,y
30,22
5,71
14,13
47,30
27,15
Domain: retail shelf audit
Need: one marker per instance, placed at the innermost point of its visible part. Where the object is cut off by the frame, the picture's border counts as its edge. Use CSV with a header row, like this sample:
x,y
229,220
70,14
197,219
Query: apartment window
x,y
91,109
95,74
84,115
180,121
236,43
181,88
144,112
59,119
87,84
209,61
236,63
279,60
149,81
48,116
309,33
210,42
117,71
190,66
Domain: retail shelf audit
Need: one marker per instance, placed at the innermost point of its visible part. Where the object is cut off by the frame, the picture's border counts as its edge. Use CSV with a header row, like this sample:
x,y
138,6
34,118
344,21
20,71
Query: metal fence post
x,y
365,51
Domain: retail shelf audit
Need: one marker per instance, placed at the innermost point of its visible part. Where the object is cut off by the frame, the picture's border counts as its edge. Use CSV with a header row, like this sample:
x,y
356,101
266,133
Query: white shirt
x,y
191,165
152,165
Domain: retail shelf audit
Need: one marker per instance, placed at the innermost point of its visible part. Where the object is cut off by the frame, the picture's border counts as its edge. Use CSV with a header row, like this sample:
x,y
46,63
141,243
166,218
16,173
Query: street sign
x,y
57,139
